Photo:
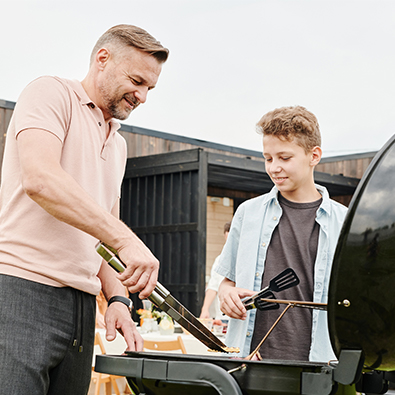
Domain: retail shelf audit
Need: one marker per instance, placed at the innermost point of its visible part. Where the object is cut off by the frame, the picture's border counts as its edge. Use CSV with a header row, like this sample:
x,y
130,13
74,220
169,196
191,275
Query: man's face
x,y
124,83
288,166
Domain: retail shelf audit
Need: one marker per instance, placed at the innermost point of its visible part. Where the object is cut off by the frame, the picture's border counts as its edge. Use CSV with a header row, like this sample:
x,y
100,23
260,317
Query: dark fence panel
x,y
162,203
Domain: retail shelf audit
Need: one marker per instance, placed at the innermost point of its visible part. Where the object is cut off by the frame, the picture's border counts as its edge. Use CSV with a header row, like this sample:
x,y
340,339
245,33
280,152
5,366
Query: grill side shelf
x,y
174,371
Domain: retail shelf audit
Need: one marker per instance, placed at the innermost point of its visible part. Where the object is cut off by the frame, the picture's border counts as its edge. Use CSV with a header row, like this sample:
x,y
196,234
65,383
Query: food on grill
x,y
228,349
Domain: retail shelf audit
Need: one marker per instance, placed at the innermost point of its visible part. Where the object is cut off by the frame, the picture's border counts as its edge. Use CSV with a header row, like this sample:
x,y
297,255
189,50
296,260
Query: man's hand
x,y
142,268
230,299
118,318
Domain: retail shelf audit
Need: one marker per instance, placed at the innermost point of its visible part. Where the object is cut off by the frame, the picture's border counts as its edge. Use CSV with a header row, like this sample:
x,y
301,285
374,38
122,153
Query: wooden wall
x,y
219,211
138,144
142,145
353,166
347,165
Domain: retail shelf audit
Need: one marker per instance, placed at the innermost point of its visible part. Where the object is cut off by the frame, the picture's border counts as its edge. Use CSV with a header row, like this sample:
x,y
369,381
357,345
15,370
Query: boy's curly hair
x,y
291,123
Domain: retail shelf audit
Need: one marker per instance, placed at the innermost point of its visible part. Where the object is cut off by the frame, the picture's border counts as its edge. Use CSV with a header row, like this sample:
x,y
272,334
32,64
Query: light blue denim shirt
x,y
243,261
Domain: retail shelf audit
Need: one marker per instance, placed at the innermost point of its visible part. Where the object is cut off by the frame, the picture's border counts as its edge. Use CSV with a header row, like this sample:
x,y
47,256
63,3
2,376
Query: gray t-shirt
x,y
294,244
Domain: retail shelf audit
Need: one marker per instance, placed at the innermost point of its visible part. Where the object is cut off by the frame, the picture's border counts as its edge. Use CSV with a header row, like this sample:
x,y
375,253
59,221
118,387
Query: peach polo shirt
x,y
33,244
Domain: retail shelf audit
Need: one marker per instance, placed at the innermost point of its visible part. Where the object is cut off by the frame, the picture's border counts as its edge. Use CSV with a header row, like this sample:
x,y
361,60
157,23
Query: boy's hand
x,y
230,299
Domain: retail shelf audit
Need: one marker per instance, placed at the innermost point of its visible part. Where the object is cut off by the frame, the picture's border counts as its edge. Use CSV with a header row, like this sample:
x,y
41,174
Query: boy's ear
x,y
316,154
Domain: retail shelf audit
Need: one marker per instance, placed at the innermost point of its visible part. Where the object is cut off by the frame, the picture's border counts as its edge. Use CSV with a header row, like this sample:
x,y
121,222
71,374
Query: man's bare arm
x,y
60,195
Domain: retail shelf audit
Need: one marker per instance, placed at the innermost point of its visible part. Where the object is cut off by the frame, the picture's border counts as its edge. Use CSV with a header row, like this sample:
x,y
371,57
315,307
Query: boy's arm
x,y
230,299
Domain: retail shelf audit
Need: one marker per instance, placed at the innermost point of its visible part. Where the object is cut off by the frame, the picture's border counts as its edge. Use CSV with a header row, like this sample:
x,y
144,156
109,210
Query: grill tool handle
x,y
157,296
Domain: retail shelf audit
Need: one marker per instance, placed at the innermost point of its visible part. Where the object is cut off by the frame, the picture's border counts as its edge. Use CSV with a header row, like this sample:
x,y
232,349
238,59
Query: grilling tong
x,y
162,299
265,299
286,279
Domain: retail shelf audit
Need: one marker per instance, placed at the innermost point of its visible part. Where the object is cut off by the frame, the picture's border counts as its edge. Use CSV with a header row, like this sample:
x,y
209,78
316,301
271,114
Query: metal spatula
x,y
286,279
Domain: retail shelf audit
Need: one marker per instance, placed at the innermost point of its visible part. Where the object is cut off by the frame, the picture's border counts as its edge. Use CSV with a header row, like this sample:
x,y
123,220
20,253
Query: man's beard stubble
x,y
116,109
113,103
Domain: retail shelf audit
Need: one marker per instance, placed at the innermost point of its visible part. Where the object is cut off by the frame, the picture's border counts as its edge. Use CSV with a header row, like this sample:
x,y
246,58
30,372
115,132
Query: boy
x,y
294,225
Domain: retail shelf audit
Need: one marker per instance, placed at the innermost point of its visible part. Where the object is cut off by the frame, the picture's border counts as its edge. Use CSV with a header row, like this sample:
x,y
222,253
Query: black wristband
x,y
122,299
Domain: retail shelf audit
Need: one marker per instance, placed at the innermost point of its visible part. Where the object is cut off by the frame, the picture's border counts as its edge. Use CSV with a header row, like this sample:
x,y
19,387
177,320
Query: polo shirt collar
x,y
85,100
80,92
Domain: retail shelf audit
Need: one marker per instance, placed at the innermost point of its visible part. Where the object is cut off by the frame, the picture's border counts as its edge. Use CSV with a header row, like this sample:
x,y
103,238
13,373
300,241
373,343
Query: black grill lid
x,y
363,272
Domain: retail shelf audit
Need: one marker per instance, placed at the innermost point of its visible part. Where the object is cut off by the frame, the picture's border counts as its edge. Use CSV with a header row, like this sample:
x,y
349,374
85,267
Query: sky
x,y
231,61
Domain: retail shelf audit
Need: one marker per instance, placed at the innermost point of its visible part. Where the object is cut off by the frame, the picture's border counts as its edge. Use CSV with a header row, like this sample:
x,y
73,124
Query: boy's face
x,y
291,169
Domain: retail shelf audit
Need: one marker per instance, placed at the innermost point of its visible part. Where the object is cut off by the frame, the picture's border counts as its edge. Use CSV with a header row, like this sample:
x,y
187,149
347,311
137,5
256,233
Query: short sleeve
x,y
44,104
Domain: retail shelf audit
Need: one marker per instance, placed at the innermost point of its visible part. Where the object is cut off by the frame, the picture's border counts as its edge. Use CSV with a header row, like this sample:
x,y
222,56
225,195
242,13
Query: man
x,y
62,172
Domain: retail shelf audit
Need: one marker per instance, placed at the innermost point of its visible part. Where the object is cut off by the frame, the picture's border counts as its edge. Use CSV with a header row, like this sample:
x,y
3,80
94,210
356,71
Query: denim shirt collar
x,y
325,205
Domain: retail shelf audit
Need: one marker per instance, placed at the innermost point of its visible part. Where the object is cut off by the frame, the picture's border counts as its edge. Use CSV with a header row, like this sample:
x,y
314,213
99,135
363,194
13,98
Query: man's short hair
x,y
131,36
289,123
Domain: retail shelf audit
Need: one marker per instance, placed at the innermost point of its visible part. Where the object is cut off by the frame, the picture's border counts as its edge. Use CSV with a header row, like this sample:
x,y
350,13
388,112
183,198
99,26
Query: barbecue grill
x,y
361,318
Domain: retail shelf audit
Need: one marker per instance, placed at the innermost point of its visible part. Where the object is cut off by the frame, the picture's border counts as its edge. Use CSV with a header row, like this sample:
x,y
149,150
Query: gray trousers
x,y
46,338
